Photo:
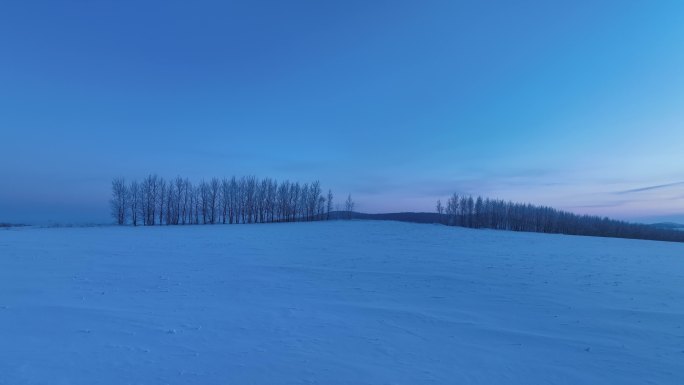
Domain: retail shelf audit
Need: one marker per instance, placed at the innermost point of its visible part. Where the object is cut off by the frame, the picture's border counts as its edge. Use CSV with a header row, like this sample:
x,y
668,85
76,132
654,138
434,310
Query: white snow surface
x,y
341,302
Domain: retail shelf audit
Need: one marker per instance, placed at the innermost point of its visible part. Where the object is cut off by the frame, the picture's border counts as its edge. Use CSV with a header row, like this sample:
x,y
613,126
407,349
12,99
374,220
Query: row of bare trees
x,y
155,200
479,212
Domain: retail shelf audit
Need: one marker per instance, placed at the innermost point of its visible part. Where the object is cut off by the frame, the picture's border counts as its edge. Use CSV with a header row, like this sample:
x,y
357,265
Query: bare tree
x,y
329,204
295,193
186,211
203,201
171,216
150,188
214,195
197,203
224,205
314,199
233,209
440,209
452,209
320,214
178,189
134,201
119,201
271,198
349,206
283,201
161,198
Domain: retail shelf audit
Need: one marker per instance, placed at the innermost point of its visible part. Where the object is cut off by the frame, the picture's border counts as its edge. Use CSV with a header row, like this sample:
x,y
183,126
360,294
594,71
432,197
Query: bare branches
x,y
119,201
498,214
349,206
244,200
329,205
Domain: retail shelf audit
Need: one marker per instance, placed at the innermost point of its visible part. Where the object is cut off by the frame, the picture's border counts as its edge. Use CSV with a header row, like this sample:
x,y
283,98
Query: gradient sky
x,y
576,104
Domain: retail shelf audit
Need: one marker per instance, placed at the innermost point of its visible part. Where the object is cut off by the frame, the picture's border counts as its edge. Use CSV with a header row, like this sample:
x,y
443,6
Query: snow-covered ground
x,y
337,303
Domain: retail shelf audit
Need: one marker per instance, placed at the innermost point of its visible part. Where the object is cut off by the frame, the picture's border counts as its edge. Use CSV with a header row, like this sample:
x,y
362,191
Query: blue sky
x,y
575,105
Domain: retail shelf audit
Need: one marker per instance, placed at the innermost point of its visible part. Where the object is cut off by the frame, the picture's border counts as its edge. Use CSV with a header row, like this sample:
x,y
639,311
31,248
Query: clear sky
x,y
575,104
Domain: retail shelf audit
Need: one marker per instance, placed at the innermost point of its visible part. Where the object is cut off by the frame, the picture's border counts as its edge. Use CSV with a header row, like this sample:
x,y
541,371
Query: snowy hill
x,y
341,302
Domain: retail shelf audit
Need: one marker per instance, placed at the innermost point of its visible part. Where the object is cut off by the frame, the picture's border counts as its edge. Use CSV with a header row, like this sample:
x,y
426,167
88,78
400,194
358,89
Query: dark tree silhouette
x,y
329,204
498,214
235,200
349,206
119,201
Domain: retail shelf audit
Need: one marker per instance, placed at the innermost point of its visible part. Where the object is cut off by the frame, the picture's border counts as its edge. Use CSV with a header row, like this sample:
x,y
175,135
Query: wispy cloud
x,y
648,188
600,205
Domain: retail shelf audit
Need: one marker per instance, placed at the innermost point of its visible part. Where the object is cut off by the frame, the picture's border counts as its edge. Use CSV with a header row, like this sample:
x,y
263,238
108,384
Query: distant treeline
x,y
155,200
488,213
